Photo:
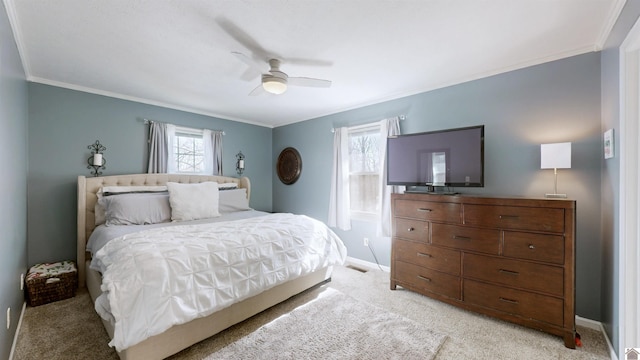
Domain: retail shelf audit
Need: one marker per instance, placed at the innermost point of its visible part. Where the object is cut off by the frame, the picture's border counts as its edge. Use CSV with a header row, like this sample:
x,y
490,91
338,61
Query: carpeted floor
x,y
70,329
349,329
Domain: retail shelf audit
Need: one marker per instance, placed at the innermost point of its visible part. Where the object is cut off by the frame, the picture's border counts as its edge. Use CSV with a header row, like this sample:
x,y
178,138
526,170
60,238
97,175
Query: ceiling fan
x,y
275,81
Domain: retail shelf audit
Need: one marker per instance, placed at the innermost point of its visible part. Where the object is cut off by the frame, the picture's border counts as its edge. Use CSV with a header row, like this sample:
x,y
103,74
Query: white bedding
x,y
161,277
103,234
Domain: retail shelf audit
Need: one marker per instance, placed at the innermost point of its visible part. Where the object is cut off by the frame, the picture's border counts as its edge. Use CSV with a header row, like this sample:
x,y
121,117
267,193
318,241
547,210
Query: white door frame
x,y
629,202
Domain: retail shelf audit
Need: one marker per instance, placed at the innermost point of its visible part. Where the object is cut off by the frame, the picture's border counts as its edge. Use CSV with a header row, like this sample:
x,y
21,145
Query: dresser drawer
x,y
465,238
515,217
427,256
530,276
427,279
411,229
427,210
516,302
539,247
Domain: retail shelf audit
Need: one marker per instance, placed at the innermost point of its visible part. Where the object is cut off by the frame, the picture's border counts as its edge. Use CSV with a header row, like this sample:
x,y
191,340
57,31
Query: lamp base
x,y
556,196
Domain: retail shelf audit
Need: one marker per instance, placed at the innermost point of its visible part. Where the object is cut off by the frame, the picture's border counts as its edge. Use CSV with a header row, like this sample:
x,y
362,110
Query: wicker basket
x,y
51,282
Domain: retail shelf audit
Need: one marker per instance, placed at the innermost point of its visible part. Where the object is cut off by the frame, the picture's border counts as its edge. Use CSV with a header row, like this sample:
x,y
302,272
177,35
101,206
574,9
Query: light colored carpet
x,y
336,326
70,329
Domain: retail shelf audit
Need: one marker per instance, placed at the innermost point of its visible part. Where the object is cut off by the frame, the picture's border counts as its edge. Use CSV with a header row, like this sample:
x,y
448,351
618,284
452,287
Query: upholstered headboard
x,y
88,188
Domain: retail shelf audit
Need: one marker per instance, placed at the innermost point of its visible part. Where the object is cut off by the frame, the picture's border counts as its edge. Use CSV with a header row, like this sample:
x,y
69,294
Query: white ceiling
x,y
177,54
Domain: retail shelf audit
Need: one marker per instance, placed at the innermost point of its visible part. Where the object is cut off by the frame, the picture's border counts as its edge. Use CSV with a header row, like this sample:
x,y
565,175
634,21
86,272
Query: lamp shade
x,y
555,156
275,85
97,159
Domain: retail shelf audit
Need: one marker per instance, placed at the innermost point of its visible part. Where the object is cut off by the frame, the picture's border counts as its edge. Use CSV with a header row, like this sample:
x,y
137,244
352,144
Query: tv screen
x,y
453,157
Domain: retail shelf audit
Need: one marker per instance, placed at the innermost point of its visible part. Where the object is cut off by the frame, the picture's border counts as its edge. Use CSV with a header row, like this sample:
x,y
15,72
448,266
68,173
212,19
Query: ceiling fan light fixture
x,y
274,85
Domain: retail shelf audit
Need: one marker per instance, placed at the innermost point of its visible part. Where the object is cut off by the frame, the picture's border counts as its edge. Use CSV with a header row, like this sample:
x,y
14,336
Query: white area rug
x,y
336,326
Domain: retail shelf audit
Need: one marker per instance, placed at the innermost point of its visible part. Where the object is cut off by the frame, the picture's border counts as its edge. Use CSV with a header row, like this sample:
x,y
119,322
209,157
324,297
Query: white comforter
x,y
158,278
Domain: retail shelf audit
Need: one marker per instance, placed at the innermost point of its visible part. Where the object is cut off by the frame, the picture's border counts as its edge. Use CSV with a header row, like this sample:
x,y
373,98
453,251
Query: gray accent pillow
x,y
136,209
119,190
233,200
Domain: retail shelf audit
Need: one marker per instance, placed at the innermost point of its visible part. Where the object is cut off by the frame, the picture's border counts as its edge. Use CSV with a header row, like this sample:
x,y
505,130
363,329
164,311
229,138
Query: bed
x,y
181,335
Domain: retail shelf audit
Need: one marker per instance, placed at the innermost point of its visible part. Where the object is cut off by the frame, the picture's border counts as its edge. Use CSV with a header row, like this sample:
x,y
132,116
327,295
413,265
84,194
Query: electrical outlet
x,y
8,318
22,282
365,242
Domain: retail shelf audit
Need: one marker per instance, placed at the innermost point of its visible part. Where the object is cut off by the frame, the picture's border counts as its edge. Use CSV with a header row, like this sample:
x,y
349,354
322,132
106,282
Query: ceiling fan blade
x,y
309,82
259,90
249,75
241,37
308,62
258,67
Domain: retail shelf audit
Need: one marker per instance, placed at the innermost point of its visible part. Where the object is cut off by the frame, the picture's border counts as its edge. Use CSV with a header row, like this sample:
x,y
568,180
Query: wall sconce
x,y
239,163
555,156
96,160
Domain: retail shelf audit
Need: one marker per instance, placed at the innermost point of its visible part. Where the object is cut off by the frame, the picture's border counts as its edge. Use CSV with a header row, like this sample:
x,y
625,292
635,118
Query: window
x,y
364,171
188,150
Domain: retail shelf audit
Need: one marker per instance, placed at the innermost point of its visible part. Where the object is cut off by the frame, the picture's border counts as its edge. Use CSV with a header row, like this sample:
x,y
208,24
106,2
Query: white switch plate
x,y
8,318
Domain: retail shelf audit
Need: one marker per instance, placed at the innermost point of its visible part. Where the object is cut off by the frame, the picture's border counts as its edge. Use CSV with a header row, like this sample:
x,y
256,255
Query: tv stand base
x,y
428,189
431,192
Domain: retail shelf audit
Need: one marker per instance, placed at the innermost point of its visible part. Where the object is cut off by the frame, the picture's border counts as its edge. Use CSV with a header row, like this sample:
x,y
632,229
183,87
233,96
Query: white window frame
x,y
629,183
188,132
356,214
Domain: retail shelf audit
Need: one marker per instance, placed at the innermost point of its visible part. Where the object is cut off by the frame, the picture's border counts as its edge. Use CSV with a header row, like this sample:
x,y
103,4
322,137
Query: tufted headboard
x,y
88,188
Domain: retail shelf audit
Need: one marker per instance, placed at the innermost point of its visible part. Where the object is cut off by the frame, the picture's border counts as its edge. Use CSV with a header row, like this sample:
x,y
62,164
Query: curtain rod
x,y
147,121
401,117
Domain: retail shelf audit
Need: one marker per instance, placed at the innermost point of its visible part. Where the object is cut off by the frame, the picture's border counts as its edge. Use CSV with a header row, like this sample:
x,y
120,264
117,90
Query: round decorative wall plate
x,y
289,166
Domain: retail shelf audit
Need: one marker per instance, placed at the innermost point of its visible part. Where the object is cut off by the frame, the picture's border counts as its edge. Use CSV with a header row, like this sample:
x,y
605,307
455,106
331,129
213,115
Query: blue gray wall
x,y
63,122
610,189
554,102
13,162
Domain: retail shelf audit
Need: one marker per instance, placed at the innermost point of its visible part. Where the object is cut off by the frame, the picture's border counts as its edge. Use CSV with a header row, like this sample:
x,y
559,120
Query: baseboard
x,y
588,323
366,264
15,336
597,325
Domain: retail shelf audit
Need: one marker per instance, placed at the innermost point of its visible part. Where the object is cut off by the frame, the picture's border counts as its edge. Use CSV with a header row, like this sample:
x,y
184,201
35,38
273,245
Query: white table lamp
x,y
555,156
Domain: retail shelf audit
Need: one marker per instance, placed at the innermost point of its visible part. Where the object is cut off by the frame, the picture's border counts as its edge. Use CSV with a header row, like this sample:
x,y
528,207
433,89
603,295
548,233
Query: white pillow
x,y
113,190
193,201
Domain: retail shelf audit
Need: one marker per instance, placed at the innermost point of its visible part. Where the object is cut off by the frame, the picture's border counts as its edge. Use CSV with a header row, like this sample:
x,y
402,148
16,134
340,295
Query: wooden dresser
x,y
510,258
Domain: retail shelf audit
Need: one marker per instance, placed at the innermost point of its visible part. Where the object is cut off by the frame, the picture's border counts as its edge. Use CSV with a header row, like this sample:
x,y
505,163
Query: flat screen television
x,y
453,157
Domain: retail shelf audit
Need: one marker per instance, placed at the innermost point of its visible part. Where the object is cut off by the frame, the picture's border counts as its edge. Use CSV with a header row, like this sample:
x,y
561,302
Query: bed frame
x,y
182,336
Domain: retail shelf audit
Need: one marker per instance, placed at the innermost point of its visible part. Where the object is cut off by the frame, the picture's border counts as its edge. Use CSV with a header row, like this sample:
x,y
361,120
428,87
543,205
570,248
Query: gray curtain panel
x,y
158,148
216,143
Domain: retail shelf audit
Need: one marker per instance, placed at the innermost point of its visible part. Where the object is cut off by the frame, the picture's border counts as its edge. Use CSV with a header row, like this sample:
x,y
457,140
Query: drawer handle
x,y
425,210
411,229
458,237
424,278
508,216
424,255
532,247
510,301
509,272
